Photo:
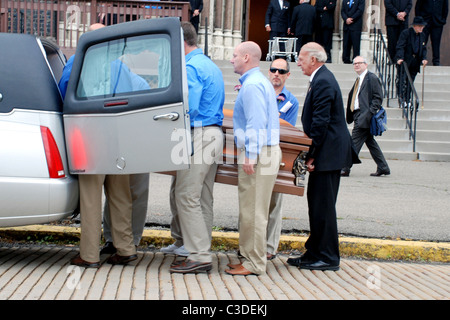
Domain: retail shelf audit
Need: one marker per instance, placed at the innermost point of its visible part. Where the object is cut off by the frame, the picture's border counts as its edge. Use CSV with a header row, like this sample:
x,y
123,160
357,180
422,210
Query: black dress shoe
x,y
318,265
345,173
380,173
77,261
297,261
108,248
116,259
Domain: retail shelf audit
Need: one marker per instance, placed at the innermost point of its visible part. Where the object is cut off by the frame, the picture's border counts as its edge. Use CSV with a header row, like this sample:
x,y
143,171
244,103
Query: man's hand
x,y
268,28
196,12
399,61
249,166
310,165
349,21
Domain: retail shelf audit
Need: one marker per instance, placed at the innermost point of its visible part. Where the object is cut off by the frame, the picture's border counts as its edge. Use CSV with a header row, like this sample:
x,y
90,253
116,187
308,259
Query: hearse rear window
x,y
124,66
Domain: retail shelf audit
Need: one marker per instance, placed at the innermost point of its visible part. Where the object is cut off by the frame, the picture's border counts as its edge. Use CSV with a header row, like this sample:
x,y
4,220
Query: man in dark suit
x,y
331,149
364,100
352,13
411,47
396,20
196,8
277,18
434,12
325,24
303,22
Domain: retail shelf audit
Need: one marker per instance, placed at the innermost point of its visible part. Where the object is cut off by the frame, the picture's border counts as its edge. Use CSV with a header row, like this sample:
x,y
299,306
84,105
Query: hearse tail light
x,y
54,161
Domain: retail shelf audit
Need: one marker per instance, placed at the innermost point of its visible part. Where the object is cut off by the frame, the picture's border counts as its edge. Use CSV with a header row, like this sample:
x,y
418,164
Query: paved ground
x,y
378,219
412,203
43,273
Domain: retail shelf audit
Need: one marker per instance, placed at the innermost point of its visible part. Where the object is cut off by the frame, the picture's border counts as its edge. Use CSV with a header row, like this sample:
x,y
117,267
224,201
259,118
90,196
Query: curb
x,y
349,246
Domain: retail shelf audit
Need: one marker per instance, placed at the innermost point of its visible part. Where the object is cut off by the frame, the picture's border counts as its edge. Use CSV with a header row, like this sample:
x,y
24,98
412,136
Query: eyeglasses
x,y
356,63
280,71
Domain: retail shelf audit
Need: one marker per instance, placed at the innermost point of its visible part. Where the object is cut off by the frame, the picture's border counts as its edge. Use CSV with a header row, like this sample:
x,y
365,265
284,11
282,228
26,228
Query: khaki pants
x,y
139,186
117,189
254,198
275,222
192,195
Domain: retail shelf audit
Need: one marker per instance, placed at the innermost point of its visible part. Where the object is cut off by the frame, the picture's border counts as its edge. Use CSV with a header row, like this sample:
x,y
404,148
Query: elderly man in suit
x,y
364,100
277,18
352,13
411,47
434,12
396,20
325,24
323,121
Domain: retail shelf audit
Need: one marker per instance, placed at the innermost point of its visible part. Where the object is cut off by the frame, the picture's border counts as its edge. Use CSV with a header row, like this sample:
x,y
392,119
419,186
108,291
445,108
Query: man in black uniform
x,y
325,24
434,12
396,20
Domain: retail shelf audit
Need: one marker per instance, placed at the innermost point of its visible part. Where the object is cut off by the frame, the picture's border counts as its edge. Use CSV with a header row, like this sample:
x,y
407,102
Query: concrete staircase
x,y
433,125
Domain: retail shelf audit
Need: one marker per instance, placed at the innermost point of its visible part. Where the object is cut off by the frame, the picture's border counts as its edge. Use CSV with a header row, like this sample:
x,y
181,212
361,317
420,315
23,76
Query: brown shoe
x,y
234,266
116,259
239,271
77,261
271,256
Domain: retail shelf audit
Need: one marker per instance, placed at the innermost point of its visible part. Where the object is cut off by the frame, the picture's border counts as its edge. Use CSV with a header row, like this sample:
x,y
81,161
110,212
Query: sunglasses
x,y
280,71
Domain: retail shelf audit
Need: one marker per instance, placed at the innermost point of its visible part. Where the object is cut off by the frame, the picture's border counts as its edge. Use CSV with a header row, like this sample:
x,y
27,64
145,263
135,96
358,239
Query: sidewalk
x,y
377,217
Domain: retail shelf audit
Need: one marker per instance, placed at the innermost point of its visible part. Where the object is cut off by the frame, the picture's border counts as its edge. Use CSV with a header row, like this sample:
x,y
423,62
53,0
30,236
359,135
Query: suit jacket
x,y
405,49
356,12
279,19
395,6
303,19
196,4
370,98
323,121
325,18
433,11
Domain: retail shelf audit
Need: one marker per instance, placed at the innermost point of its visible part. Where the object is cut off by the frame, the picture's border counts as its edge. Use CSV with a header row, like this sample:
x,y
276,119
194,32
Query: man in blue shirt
x,y
191,195
279,72
257,135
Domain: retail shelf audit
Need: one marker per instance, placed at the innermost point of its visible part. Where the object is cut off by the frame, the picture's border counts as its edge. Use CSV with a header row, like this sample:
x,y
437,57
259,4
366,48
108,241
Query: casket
x,y
294,145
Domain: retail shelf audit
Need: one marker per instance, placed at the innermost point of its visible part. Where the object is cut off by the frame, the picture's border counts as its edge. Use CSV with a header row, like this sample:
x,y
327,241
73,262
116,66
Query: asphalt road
x,y
412,203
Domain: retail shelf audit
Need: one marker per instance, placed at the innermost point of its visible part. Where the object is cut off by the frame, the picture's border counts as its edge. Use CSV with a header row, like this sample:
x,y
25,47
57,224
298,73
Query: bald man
x,y
257,136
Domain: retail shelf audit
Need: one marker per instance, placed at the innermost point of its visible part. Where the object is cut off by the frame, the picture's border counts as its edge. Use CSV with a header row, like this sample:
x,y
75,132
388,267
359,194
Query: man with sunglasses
x,y
279,72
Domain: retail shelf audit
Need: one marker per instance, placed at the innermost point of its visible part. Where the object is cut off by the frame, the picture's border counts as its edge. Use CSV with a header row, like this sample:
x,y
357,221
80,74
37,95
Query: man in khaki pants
x,y
257,135
117,189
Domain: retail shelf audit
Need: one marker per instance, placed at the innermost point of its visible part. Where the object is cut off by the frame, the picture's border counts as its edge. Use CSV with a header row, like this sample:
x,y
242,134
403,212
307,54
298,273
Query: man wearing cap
x,y
411,47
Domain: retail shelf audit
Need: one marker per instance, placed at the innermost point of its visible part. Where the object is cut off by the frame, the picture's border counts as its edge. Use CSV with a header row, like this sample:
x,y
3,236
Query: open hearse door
x,y
125,109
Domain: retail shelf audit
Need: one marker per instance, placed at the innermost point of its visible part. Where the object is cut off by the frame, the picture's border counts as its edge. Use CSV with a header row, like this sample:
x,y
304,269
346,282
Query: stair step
x,y
433,120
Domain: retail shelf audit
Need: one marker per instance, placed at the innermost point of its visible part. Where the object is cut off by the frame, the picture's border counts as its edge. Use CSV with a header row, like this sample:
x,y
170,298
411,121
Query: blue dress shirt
x,y
206,90
255,117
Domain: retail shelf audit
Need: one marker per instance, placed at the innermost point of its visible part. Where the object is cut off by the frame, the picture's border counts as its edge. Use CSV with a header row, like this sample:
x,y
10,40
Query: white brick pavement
x,y
44,273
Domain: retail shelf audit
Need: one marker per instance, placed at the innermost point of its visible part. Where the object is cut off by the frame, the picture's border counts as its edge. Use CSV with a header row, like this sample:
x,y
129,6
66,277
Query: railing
x,y
408,100
65,21
397,83
385,66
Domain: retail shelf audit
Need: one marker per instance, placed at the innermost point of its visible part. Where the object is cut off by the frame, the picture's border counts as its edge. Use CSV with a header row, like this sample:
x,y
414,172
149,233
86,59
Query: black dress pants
x,y
323,243
352,40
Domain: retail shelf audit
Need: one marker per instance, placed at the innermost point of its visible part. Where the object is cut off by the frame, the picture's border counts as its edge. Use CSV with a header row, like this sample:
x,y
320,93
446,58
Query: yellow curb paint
x,y
356,247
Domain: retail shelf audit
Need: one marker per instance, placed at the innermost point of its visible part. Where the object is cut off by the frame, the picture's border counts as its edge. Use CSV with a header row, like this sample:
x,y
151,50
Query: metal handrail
x,y
397,83
408,100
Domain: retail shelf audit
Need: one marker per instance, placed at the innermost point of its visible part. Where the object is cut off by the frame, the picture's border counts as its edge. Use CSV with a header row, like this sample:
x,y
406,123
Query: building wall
x,y
231,21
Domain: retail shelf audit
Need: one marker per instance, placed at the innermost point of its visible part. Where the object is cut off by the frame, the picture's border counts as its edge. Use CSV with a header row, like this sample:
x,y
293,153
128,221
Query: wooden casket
x,y
294,145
